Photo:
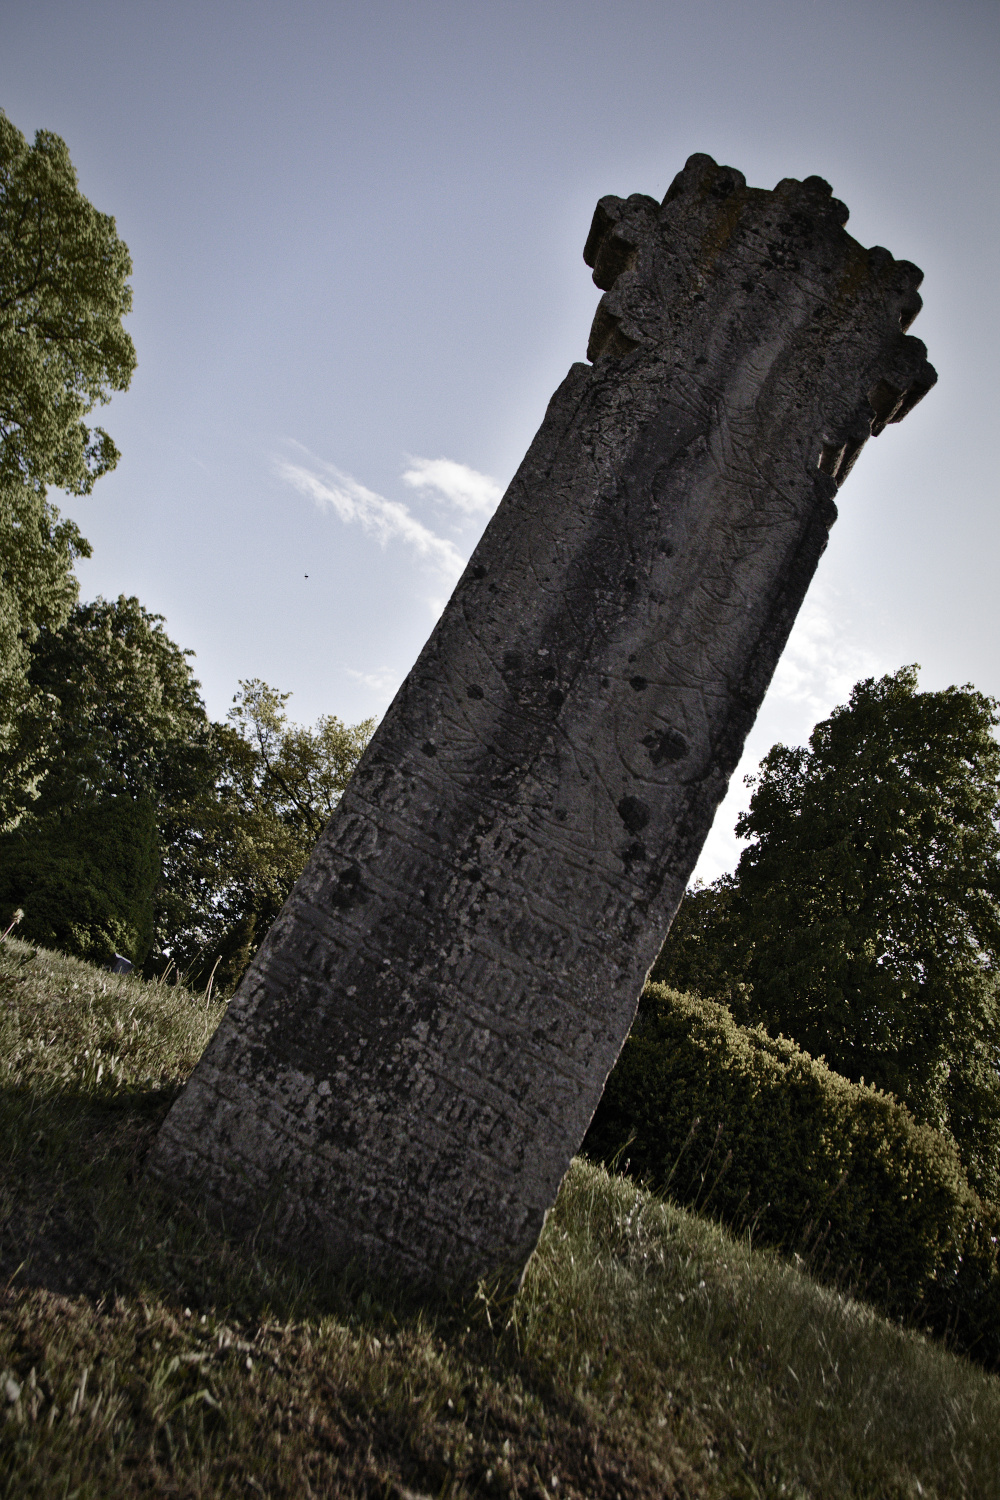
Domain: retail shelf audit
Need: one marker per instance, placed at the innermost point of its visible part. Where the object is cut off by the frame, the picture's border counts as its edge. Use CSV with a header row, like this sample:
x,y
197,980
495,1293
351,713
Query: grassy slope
x,y
645,1354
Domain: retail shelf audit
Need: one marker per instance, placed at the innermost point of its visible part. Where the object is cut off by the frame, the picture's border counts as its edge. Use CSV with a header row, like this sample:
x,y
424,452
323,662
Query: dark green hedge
x,y
757,1132
85,880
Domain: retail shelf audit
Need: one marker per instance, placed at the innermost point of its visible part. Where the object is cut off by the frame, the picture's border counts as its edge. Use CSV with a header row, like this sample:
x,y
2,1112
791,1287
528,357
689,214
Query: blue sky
x,y
357,235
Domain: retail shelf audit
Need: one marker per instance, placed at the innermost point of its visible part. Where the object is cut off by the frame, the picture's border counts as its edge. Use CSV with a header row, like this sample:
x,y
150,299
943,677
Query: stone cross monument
x,y
417,1049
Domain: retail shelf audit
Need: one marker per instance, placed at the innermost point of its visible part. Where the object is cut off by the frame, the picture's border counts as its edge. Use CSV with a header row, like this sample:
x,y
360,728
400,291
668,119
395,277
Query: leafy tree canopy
x,y
118,723
63,293
864,917
122,746
277,785
38,588
298,774
120,704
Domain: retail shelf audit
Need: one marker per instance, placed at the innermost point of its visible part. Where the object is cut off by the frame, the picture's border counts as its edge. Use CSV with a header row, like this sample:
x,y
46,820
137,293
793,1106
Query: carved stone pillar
x,y
417,1050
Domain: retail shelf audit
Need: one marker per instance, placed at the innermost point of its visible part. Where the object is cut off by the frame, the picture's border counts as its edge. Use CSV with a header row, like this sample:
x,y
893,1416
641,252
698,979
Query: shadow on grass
x,y
78,1217
353,1372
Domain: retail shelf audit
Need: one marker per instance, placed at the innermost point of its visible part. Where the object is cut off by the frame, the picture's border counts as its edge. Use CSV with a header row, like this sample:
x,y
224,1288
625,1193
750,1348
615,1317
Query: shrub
x,y
735,1122
963,1302
85,880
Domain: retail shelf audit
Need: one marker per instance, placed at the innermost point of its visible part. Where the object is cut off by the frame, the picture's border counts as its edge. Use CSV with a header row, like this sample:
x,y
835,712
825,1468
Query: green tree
x,y
120,733
864,919
63,294
277,785
38,588
121,704
119,730
699,956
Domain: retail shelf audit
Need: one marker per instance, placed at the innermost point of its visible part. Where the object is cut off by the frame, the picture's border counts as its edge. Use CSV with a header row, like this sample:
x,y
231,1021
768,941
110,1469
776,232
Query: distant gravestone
x,y
417,1050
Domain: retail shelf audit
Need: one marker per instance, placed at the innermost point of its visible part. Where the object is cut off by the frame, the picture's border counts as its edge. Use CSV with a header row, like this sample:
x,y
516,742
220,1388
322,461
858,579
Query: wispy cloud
x,y
386,520
383,682
469,491
823,659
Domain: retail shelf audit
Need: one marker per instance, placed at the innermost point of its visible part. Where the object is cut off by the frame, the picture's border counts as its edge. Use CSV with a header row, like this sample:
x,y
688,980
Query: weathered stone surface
x,y
418,1048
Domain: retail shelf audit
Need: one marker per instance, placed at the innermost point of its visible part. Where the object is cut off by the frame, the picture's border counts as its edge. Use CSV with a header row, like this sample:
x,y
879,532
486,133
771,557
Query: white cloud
x,y
822,660
383,683
386,520
466,489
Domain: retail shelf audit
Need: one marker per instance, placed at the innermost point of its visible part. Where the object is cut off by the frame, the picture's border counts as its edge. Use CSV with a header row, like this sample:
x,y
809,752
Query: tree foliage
x,y
38,588
699,955
119,731
864,917
121,708
85,879
63,294
276,785
118,723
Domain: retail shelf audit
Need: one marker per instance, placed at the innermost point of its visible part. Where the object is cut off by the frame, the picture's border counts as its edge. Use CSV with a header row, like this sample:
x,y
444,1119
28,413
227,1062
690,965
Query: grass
x,y
646,1353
